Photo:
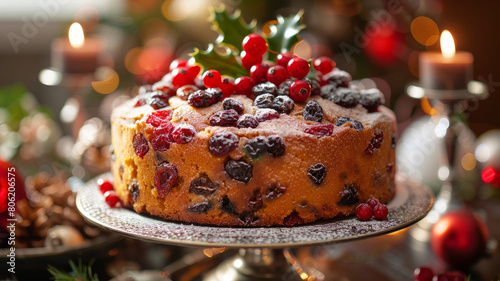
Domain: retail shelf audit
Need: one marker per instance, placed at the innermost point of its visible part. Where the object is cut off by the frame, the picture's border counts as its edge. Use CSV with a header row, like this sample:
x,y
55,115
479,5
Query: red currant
x,y
283,59
277,74
183,133
324,65
177,63
193,71
211,78
441,277
298,68
300,90
456,275
180,77
248,60
258,72
373,202
227,87
254,45
380,211
112,199
423,273
243,86
104,185
364,211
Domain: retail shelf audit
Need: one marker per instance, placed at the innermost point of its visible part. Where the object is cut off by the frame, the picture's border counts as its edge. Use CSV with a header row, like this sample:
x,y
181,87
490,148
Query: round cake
x,y
258,151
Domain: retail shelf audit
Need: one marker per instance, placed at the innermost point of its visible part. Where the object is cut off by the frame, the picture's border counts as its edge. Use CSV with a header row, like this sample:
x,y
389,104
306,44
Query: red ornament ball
x,y
459,238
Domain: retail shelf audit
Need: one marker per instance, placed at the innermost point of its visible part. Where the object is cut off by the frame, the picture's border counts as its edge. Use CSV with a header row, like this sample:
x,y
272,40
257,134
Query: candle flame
x,y
447,44
76,36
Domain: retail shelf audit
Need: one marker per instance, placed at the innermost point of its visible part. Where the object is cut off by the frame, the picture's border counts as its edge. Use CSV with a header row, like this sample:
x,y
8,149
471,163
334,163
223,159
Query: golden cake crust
x,y
280,191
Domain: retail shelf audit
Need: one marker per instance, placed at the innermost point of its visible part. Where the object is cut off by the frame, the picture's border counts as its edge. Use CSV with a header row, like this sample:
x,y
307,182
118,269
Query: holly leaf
x,y
232,29
226,64
284,34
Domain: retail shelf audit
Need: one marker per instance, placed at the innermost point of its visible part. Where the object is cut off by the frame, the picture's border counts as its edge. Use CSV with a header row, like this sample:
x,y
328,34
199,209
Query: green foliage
x,y
81,272
285,33
232,29
226,64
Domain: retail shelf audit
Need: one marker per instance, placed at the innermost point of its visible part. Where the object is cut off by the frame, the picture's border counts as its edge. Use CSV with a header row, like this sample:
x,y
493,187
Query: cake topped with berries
x,y
253,136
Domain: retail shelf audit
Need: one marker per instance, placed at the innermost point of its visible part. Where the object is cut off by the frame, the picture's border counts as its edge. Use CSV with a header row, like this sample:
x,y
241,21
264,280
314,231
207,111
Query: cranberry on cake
x,y
256,139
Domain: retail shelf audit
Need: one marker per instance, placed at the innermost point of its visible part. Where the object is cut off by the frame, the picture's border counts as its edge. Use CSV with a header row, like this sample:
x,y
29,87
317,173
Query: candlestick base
x,y
447,199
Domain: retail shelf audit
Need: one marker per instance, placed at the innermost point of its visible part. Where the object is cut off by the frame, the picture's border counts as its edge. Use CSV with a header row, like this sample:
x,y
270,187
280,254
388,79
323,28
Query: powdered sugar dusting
x,y
412,202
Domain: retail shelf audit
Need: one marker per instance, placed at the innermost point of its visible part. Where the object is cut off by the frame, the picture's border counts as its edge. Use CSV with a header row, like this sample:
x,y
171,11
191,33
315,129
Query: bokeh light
x,y
469,162
177,10
427,107
109,80
491,176
425,30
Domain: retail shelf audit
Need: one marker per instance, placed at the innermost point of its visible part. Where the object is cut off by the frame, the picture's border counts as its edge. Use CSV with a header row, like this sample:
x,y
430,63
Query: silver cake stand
x,y
263,253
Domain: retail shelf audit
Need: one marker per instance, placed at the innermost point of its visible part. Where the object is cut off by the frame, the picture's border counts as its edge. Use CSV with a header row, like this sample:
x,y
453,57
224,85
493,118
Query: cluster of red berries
x,y
372,207
110,196
425,273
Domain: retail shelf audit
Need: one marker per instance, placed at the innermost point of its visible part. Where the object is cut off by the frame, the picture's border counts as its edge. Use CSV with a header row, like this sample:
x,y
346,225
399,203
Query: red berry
x,y
324,65
140,102
104,185
254,45
373,202
456,275
157,117
364,211
258,72
380,211
112,199
193,71
243,86
320,131
441,277
300,90
211,78
180,77
298,68
177,63
248,60
227,87
423,273
277,74
140,145
183,133
164,87
283,59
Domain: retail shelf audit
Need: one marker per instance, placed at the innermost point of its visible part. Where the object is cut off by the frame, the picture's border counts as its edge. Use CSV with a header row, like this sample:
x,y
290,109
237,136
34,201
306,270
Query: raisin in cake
x,y
205,155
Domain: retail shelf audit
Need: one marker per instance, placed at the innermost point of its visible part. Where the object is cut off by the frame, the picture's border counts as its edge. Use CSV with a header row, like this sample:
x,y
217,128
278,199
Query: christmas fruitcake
x,y
290,141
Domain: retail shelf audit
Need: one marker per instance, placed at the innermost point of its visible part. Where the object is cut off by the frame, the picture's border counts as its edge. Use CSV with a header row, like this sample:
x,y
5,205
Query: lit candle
x,y
77,54
448,70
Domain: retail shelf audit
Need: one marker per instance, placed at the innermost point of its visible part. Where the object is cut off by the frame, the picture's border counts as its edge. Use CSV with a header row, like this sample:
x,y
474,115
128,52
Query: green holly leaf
x,y
284,34
226,64
232,29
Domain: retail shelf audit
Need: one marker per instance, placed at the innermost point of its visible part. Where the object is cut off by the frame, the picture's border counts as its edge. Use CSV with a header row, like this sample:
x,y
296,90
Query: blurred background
x,y
53,143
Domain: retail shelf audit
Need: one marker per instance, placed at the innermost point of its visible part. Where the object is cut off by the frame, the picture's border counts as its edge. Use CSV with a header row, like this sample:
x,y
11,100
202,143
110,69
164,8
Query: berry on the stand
x,y
248,60
243,86
183,133
230,103
277,74
180,77
254,45
373,202
364,212
258,72
227,86
423,273
104,185
177,63
211,78
283,58
298,67
323,65
112,199
300,90
380,211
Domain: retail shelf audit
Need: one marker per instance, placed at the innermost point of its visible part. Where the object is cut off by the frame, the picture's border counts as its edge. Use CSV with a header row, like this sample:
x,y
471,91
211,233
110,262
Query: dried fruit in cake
x,y
183,133
200,98
239,170
202,186
313,111
349,195
247,121
375,143
320,131
256,147
230,103
140,144
185,91
165,178
317,173
264,101
353,123
266,114
346,97
222,143
275,145
371,99
224,118
283,104
264,88
202,207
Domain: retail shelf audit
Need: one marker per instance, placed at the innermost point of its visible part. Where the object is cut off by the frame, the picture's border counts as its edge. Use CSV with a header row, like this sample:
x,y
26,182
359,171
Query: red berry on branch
x,y
277,74
283,59
177,63
324,65
298,68
227,86
423,273
180,77
300,90
248,60
254,45
211,78
258,72
243,86
364,212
